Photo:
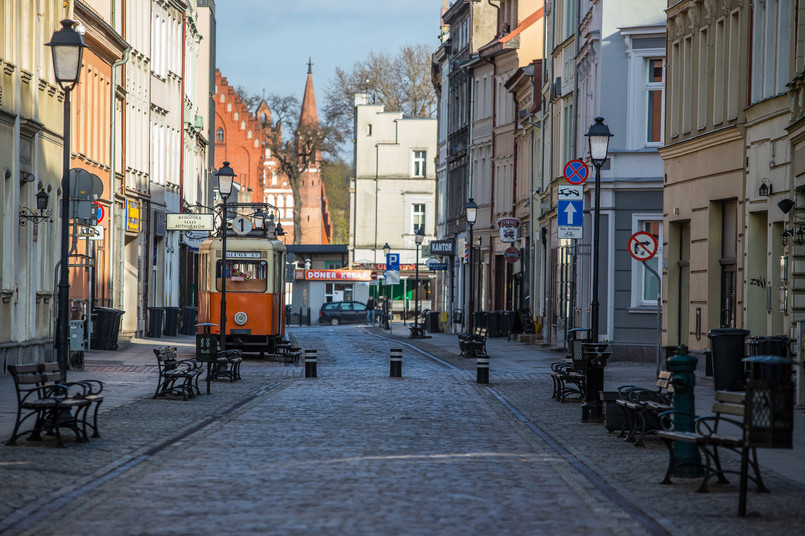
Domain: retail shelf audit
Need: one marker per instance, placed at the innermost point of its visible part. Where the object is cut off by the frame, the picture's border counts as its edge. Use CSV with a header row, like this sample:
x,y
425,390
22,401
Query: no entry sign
x,y
576,172
642,246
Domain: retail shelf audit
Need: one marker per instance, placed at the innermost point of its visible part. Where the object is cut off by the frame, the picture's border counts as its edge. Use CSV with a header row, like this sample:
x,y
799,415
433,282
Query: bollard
x,y
395,363
482,363
687,461
310,363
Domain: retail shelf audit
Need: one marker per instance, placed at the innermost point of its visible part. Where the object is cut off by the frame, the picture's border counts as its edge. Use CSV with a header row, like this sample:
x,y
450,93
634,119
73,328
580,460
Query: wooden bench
x,y
176,376
227,365
724,429
642,407
50,405
474,344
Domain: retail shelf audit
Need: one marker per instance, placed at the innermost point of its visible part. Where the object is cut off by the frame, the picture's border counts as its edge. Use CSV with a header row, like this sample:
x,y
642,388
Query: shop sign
x,y
512,254
193,239
132,216
338,275
509,228
190,222
442,247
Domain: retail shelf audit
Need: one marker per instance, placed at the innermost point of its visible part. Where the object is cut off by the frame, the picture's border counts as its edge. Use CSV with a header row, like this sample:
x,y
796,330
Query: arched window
x,y
223,97
219,134
249,134
288,200
263,118
270,199
236,116
228,106
281,201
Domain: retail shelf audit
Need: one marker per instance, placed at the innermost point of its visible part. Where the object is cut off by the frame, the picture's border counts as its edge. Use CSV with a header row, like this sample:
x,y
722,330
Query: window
x,y
654,89
244,276
274,178
418,216
219,134
418,164
369,129
337,292
645,285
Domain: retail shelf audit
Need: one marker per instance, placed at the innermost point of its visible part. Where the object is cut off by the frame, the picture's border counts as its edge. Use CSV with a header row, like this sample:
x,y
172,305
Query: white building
x,y
393,190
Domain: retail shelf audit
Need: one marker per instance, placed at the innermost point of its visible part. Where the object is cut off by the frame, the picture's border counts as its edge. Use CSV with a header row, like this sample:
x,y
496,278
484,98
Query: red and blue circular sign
x,y
100,213
576,172
511,254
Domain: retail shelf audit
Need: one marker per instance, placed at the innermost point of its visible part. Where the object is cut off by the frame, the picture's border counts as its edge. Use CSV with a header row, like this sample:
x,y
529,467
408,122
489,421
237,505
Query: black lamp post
x,y
67,47
598,137
41,214
472,215
419,236
386,251
226,177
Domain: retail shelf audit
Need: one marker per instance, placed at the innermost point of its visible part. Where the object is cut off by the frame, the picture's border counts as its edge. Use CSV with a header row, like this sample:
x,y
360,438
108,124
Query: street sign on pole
x,y
642,246
569,211
393,262
576,172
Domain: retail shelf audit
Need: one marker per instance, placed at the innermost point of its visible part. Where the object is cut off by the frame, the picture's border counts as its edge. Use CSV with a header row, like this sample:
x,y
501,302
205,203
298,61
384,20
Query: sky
x,y
267,43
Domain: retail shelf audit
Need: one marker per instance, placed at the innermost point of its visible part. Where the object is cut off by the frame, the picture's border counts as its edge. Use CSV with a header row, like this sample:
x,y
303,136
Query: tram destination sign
x,y
190,222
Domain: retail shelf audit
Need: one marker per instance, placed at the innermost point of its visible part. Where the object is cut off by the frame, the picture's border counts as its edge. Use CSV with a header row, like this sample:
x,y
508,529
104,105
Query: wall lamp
x,y
798,236
766,188
41,214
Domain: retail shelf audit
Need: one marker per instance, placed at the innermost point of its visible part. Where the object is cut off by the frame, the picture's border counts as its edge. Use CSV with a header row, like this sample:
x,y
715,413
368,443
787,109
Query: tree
x,y
335,175
401,82
303,148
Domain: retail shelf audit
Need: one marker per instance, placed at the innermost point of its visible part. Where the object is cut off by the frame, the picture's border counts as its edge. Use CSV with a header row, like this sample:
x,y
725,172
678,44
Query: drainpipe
x,y
115,235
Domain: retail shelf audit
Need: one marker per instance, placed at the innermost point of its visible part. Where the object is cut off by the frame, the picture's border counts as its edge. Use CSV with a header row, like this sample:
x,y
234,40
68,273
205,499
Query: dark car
x,y
346,312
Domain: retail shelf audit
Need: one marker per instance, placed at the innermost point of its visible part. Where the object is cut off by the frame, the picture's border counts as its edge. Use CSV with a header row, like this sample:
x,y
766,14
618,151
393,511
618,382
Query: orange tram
x,y
255,291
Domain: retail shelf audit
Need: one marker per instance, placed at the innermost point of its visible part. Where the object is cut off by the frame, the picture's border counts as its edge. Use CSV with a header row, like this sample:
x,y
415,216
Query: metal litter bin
x,y
728,353
491,323
433,321
155,317
171,321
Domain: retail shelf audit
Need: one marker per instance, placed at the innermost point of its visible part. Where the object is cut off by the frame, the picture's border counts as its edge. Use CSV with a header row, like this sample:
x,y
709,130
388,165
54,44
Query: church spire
x,y
309,115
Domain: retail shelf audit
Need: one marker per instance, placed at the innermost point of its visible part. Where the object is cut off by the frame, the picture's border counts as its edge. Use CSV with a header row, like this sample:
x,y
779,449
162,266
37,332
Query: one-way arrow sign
x,y
568,211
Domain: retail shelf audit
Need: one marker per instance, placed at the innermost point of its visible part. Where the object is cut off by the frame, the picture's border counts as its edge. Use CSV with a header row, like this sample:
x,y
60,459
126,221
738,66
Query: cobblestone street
x,y
355,452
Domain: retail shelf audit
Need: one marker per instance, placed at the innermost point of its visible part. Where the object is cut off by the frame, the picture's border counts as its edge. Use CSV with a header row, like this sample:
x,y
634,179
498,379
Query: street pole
x,y
470,283
416,289
594,305
63,327
223,275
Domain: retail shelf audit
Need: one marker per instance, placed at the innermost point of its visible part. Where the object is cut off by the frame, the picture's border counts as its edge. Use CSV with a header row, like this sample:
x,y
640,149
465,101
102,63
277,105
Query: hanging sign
x,y
508,229
512,254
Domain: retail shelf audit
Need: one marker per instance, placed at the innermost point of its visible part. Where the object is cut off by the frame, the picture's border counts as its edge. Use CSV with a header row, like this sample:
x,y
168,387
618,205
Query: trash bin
x,y
155,315
769,345
105,328
171,321
458,316
728,353
505,323
479,319
433,322
492,324
189,320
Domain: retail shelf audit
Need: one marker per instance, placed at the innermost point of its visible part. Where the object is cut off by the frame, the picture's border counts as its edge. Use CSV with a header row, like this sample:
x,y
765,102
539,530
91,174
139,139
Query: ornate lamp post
x,y
598,138
226,177
419,236
260,221
472,215
67,47
41,214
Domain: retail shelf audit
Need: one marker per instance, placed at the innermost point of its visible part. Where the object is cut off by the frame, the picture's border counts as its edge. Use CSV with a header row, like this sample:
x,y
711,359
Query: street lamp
x,y
260,220
598,137
226,177
419,236
41,214
386,251
472,214
67,47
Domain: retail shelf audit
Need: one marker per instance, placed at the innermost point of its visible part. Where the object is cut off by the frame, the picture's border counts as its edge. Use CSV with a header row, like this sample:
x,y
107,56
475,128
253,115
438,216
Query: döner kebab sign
x,y
337,275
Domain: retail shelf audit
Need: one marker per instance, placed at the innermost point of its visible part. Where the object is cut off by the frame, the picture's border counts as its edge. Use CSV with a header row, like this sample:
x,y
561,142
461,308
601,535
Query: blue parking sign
x,y
393,262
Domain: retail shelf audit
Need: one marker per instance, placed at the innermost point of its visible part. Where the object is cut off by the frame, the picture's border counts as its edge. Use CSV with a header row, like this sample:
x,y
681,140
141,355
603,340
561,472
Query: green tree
x,y
335,175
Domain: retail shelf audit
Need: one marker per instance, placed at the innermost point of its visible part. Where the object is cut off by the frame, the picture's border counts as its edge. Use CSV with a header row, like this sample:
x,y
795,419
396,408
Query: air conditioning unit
x,y
556,88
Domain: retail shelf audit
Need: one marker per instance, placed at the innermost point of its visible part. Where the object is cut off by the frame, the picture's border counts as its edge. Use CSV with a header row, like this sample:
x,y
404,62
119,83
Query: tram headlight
x,y
240,318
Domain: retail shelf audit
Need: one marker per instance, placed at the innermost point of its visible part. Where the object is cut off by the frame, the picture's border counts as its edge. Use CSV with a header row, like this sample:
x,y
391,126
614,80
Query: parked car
x,y
346,312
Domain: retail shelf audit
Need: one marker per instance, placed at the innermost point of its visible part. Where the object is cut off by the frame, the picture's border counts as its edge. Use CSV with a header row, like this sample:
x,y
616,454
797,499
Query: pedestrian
x,y
370,311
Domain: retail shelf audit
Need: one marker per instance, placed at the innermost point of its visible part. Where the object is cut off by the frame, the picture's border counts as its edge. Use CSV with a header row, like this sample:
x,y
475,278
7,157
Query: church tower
x,y
316,226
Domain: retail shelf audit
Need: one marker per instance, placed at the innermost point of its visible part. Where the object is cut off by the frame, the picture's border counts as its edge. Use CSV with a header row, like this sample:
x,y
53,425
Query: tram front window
x,y
244,276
